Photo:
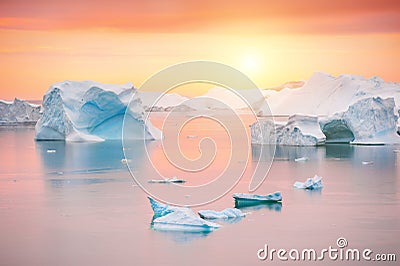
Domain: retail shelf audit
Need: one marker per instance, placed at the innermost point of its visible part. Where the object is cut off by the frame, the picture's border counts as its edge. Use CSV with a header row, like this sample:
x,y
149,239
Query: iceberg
x,y
368,121
160,102
91,111
167,180
301,159
300,130
324,94
224,214
18,111
171,218
311,183
242,199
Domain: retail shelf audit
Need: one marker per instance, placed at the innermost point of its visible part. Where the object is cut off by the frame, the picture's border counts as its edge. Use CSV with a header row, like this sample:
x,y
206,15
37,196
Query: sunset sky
x,y
45,41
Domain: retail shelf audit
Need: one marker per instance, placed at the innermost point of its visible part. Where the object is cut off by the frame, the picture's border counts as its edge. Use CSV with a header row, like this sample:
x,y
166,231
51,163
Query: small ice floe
x,y
192,137
51,151
225,214
242,200
167,180
170,218
301,159
125,161
311,183
367,162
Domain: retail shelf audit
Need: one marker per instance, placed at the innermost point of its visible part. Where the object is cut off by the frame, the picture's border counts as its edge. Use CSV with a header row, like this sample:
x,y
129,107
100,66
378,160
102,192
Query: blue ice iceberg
x,y
224,214
311,183
171,218
242,200
91,111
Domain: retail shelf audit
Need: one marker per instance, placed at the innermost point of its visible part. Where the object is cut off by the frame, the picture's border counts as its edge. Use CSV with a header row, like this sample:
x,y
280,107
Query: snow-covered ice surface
x,y
311,183
170,218
324,94
224,214
157,101
300,130
18,111
91,111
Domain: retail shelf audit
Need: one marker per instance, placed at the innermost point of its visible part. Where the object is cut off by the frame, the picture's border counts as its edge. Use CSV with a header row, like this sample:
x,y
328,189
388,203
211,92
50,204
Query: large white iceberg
x,y
300,130
171,218
324,94
91,111
18,111
224,214
350,107
368,121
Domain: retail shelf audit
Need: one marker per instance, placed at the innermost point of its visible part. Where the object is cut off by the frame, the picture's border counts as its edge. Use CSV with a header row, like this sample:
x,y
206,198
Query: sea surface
x,y
77,204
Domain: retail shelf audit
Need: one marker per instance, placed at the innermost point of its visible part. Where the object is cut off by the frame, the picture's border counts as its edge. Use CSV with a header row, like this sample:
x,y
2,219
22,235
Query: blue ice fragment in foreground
x,y
311,183
225,214
170,218
272,197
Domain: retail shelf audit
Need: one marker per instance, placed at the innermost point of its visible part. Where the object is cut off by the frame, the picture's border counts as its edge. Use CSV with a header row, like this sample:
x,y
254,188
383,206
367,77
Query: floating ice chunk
x,y
161,209
125,161
224,214
167,180
367,162
242,199
51,151
170,218
301,159
183,220
311,183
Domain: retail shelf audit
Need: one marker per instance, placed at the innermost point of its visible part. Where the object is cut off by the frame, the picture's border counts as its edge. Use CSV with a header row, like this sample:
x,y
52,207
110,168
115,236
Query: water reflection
x,y
272,206
183,237
339,151
284,153
73,182
85,158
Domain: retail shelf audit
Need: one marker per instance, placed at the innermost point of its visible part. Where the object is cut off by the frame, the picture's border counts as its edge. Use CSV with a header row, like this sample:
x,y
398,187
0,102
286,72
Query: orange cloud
x,y
198,16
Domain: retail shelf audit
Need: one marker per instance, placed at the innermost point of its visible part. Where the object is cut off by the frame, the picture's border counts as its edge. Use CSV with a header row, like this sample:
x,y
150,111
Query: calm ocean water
x,y
80,206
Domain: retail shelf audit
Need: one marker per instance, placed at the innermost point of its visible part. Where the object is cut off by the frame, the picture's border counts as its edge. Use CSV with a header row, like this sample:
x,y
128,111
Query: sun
x,y
250,63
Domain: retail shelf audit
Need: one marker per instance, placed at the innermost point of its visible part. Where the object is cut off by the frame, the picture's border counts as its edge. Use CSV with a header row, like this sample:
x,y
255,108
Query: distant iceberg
x,y
167,180
324,94
300,130
91,111
18,111
171,218
224,214
311,183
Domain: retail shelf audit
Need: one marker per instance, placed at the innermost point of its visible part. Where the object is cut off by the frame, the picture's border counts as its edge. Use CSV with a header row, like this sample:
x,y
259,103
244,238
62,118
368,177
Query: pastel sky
x,y
45,41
